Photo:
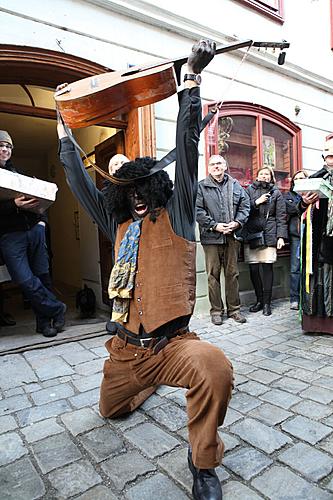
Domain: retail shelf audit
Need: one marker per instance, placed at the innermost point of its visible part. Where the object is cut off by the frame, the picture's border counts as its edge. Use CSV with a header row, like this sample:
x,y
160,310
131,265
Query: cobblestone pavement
x,y
278,430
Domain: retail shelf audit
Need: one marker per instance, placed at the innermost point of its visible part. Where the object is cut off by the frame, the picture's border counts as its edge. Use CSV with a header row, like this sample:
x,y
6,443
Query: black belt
x,y
155,343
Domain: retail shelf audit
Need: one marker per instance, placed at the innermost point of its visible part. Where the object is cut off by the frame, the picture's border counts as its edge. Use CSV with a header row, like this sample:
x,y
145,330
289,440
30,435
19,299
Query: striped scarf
x,y
123,273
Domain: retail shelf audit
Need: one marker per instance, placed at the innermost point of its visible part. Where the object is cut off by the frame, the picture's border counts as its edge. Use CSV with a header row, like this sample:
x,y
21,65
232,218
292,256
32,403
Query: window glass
x,y
277,152
250,136
271,8
242,152
273,4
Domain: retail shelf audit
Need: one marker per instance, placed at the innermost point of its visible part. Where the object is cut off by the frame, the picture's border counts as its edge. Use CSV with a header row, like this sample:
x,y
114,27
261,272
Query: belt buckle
x,y
142,342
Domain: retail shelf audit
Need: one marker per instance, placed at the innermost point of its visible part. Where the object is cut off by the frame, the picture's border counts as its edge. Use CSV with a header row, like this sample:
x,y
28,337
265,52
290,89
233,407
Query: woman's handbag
x,y
256,240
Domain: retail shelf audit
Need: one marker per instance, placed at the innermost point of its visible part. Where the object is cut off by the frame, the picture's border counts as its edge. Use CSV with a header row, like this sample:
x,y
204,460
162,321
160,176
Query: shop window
x,y
243,150
251,136
277,153
270,8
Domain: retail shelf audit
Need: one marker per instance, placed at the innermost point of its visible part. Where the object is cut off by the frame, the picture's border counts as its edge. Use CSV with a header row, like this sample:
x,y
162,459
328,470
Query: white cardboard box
x,y
13,184
4,274
314,185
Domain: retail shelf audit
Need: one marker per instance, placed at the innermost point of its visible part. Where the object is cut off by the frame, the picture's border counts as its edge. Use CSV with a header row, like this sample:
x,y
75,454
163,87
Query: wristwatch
x,y
193,77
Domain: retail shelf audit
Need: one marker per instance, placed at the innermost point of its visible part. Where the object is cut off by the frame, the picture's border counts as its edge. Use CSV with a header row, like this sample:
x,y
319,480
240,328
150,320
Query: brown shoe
x,y
238,317
216,319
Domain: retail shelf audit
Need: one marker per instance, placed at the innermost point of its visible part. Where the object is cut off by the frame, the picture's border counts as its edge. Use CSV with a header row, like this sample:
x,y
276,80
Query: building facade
x,y
273,114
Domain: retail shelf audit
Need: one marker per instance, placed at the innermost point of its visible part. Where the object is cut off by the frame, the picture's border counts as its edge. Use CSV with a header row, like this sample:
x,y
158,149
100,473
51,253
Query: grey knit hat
x,y
5,137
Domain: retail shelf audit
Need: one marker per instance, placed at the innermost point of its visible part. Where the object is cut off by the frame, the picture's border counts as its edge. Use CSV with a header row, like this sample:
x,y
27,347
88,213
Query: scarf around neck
x,y
122,277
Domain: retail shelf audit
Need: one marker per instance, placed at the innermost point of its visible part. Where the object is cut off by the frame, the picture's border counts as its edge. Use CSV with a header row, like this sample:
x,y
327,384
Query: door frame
x,y
48,68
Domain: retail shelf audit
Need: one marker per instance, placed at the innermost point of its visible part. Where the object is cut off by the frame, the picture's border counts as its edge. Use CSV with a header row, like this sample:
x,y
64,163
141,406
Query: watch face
x,y
193,77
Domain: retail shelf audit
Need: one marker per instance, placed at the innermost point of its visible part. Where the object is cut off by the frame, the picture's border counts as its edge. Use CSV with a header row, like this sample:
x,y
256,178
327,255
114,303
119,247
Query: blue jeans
x,y
26,258
294,268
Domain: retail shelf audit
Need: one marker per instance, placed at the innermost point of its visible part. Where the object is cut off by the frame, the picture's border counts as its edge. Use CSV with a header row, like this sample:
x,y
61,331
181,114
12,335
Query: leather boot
x,y
6,319
256,307
59,319
267,310
206,484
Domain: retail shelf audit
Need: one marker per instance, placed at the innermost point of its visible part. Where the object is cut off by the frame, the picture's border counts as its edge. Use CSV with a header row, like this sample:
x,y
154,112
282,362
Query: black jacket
x,y
270,217
322,250
209,209
294,212
12,218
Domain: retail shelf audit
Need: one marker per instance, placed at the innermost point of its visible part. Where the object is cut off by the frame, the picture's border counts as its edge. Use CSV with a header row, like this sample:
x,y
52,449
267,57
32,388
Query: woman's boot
x,y
256,307
267,311
257,285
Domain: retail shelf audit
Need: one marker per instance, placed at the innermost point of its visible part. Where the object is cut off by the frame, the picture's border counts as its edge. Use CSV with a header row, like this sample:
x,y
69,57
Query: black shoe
x,y
47,331
206,484
267,310
256,307
59,319
7,320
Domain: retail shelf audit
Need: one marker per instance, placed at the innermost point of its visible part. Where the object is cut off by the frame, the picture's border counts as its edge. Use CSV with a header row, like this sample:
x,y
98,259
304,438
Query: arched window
x,y
255,136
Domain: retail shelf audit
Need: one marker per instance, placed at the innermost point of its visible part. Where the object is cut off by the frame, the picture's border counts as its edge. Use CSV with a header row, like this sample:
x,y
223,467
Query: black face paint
x,y
138,206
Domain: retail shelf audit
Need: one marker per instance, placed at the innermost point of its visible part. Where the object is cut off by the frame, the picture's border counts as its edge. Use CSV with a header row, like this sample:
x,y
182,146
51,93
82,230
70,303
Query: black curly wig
x,y
155,190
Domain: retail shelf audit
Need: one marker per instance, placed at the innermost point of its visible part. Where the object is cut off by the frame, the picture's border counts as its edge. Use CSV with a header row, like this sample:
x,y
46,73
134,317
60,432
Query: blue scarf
x,y
122,277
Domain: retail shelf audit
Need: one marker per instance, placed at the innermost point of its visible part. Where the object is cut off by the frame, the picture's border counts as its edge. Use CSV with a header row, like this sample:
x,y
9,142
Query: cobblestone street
x,y
278,430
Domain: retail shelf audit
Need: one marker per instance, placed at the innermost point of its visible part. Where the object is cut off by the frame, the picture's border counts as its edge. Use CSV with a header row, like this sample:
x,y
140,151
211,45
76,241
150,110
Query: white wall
x,y
115,33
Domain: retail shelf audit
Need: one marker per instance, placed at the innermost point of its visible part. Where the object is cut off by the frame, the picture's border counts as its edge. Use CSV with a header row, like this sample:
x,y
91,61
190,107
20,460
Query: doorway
x,y
27,111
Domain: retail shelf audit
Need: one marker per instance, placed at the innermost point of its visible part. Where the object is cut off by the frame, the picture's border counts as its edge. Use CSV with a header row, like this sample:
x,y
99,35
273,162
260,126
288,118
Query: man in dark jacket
x,y
23,249
223,207
155,254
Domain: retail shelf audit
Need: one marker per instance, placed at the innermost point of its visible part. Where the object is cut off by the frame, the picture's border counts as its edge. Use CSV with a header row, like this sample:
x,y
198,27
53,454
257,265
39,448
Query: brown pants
x,y
226,256
131,374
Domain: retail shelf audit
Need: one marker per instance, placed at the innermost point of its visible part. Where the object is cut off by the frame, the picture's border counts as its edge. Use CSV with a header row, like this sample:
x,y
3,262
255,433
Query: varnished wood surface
x,y
95,99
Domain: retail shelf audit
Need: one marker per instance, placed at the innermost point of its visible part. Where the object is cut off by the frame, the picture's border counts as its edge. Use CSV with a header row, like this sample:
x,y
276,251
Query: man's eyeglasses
x,y
6,145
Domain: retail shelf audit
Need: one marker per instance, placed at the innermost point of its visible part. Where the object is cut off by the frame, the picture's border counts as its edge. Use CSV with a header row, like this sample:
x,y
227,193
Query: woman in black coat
x,y
294,211
264,233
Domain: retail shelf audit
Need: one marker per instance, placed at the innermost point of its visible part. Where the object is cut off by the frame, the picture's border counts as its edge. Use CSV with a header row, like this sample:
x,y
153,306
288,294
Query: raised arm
x,y
81,184
187,140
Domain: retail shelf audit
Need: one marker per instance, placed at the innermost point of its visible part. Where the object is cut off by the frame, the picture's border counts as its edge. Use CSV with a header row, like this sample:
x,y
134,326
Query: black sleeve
x,y
243,209
204,218
320,173
8,207
83,188
281,217
291,205
254,208
181,207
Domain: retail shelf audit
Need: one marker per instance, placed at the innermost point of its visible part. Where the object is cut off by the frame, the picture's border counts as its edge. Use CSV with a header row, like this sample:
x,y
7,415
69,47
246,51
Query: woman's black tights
x,y
262,285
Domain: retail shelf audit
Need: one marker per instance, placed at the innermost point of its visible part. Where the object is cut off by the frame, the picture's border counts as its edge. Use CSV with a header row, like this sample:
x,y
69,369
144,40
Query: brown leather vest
x,y
165,278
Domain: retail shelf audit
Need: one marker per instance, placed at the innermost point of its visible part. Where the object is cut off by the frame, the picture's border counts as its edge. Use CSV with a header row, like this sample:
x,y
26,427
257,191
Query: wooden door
x,y
103,153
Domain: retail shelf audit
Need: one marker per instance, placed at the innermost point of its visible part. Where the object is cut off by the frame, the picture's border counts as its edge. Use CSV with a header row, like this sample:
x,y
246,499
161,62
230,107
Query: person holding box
x,y
317,252
23,249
